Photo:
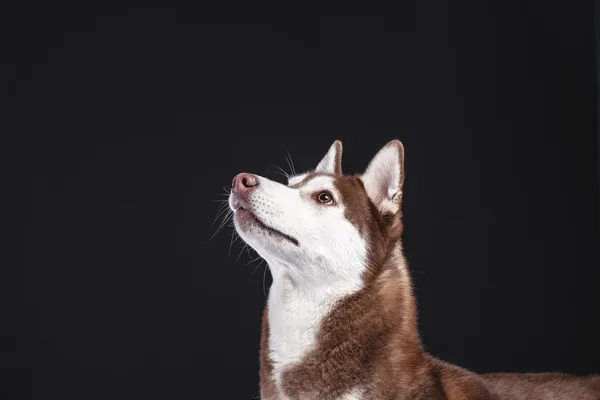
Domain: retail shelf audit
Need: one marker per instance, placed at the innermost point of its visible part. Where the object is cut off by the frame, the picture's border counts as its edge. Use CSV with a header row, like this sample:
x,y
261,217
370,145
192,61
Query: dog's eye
x,y
325,198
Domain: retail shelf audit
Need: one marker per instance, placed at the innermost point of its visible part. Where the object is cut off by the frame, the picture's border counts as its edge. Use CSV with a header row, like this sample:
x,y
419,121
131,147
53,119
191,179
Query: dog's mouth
x,y
249,215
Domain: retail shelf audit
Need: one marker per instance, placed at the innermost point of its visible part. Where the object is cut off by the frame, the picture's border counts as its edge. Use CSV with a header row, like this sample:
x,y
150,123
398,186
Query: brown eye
x,y
325,198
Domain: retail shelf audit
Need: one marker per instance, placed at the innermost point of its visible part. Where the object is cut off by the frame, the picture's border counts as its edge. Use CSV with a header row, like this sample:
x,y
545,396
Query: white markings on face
x,y
330,256
330,249
294,180
308,279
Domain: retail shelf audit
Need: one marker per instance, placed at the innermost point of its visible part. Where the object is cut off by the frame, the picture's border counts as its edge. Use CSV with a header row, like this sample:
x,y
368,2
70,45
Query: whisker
x,y
284,175
282,172
241,251
224,204
291,163
234,238
226,216
226,219
222,211
221,207
251,261
230,242
264,277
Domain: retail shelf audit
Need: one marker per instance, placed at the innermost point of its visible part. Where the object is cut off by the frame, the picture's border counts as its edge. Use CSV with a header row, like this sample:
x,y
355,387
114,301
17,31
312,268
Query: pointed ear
x,y
332,162
384,177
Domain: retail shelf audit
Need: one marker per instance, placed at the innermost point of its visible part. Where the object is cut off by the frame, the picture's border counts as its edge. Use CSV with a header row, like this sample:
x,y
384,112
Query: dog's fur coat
x,y
340,321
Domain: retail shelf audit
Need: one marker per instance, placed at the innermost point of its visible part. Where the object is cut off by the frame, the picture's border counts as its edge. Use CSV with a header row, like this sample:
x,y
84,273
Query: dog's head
x,y
323,227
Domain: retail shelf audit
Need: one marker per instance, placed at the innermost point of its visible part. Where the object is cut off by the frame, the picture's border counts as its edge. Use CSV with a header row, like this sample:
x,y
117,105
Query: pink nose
x,y
244,182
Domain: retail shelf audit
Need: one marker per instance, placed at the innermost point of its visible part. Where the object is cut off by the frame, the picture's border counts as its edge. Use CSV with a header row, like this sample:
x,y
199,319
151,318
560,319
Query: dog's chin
x,y
252,229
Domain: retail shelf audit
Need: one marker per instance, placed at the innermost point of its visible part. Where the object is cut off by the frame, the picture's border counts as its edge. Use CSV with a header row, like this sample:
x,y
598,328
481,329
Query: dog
x,y
340,321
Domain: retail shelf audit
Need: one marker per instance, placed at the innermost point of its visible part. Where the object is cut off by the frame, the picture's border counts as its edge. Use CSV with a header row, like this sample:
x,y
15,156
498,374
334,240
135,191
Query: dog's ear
x,y
384,177
332,162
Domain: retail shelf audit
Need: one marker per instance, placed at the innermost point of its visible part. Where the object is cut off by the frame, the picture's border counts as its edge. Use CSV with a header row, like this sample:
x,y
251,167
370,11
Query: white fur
x,y
307,279
310,278
383,177
328,163
327,264
297,178
355,394
330,249
294,319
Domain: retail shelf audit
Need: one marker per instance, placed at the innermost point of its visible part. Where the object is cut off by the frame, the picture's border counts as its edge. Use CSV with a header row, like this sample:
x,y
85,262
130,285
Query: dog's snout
x,y
244,182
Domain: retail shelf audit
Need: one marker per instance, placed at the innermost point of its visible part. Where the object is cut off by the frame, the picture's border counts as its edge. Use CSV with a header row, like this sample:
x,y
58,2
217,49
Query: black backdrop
x,y
131,120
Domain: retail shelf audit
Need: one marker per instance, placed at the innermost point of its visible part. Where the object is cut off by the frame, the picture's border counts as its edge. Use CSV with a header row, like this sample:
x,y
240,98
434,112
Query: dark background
x,y
130,121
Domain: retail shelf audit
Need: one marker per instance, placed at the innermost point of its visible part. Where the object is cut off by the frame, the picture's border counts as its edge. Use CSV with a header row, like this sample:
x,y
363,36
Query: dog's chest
x,y
295,319
294,322
293,325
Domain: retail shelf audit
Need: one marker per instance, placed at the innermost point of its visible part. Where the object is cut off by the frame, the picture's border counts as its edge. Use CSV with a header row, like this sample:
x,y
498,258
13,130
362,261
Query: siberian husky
x,y
340,320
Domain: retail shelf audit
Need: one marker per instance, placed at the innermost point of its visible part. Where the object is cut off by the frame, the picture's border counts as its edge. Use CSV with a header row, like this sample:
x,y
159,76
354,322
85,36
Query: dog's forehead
x,y
311,181
318,183
297,179
342,184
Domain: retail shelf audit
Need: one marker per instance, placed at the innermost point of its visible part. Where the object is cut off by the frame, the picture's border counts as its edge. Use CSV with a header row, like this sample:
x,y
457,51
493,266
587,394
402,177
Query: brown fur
x,y
370,339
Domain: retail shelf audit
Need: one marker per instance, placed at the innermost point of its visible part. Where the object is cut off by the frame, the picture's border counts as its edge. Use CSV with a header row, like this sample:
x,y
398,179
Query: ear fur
x,y
384,177
332,162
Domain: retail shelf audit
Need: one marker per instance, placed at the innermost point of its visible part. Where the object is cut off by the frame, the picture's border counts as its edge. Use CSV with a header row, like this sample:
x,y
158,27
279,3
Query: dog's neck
x,y
305,321
297,306
291,281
